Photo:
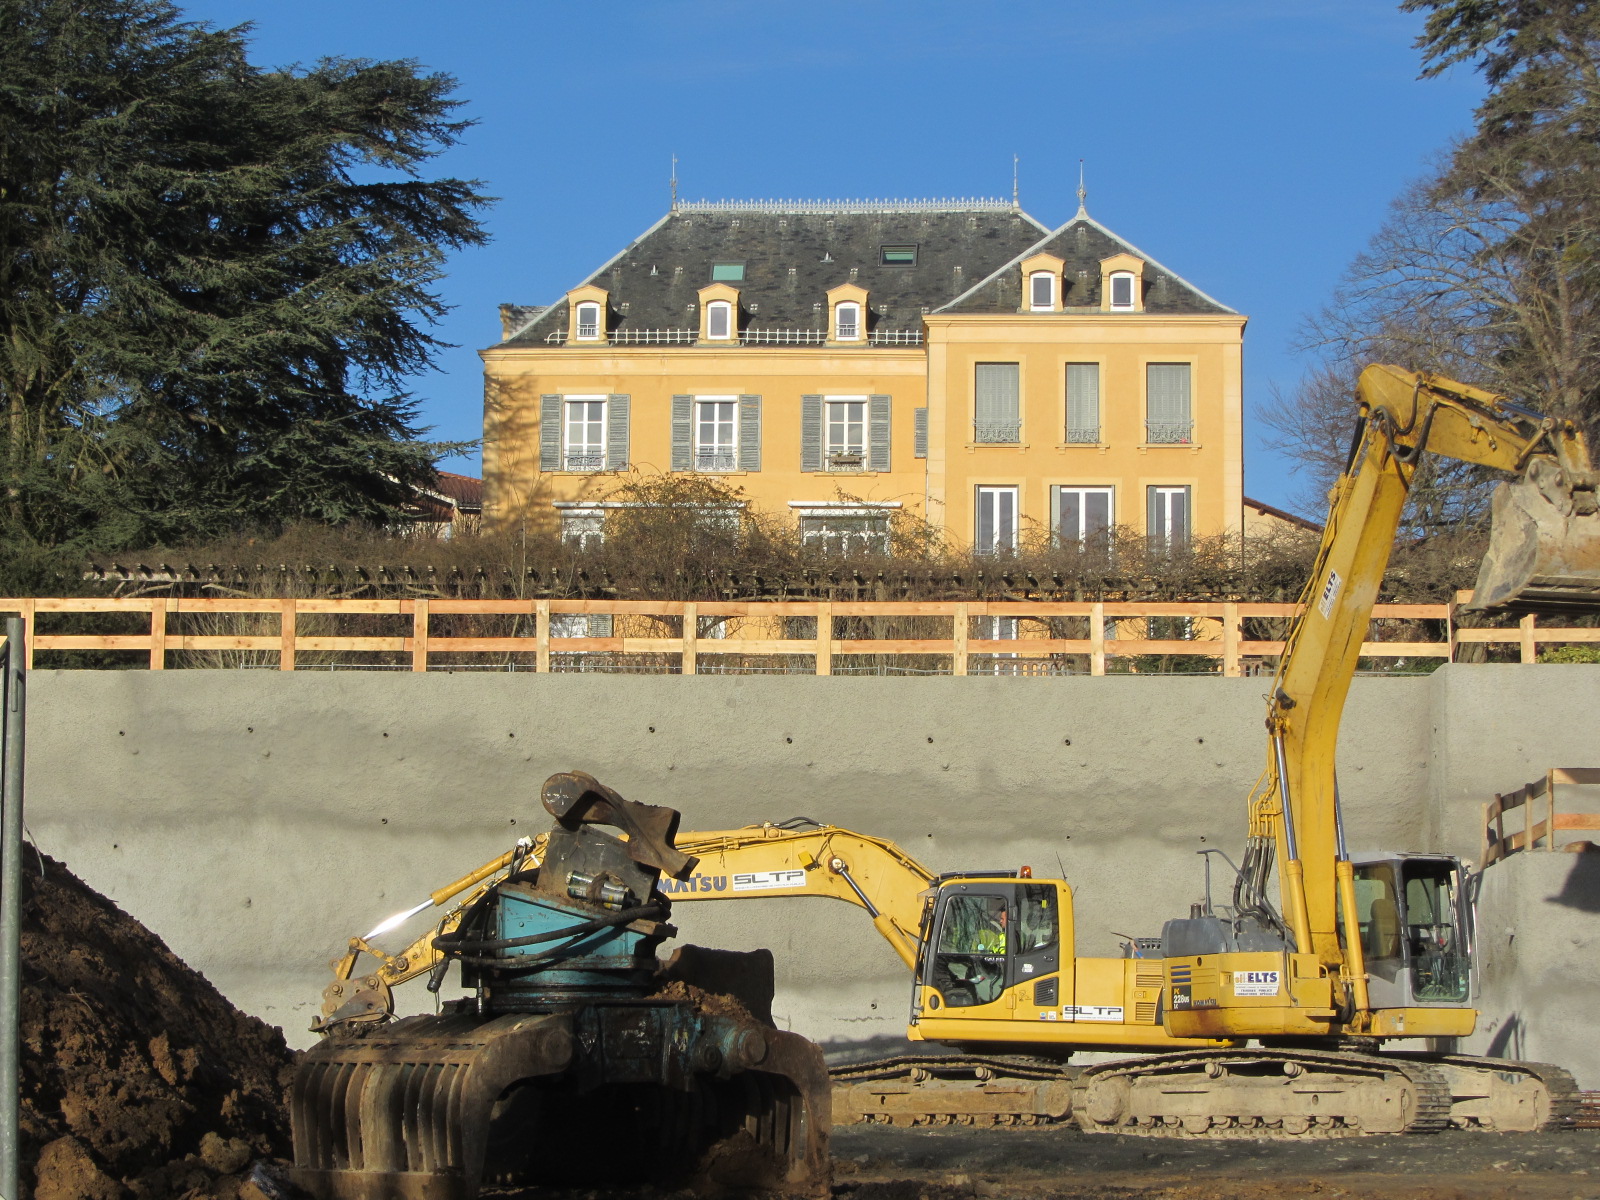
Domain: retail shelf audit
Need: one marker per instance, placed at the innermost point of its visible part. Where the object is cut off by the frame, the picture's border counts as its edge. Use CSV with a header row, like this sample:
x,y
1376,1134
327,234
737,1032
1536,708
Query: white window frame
x,y
1049,303
1082,533
852,531
585,455
840,311
1166,496
1000,499
849,458
583,528
719,457
586,330
725,308
1111,291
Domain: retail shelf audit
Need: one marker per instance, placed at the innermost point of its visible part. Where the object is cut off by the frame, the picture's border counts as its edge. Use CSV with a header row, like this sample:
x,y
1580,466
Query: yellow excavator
x,y
1249,1018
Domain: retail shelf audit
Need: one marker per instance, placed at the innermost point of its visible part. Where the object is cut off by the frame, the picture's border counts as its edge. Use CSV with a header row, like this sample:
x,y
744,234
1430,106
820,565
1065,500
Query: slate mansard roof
x,y
967,252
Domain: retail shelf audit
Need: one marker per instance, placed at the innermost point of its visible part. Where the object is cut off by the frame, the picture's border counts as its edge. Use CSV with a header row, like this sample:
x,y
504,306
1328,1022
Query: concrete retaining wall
x,y
255,820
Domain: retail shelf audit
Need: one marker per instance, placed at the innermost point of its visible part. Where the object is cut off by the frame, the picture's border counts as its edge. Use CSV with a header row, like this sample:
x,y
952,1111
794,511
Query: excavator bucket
x,y
1544,548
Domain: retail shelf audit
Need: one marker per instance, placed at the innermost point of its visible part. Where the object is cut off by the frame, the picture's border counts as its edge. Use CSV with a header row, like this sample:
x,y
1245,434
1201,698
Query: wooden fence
x,y
409,633
1497,843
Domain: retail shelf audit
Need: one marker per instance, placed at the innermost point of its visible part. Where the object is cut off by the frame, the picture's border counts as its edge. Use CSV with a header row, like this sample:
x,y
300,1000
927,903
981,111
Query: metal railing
x,y
1168,433
997,432
783,337
954,204
1086,435
715,460
895,337
583,462
846,460
434,634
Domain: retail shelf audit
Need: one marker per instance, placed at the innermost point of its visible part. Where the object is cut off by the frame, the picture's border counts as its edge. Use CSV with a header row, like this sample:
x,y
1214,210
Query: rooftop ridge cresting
x,y
953,204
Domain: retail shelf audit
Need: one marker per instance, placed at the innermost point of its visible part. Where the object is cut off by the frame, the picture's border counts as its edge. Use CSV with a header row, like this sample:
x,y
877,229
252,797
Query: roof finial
x,y
1015,203
1083,210
674,183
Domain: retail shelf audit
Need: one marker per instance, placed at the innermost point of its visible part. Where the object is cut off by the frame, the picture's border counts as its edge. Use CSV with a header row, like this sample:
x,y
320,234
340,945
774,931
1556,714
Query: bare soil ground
x,y
140,1081
884,1163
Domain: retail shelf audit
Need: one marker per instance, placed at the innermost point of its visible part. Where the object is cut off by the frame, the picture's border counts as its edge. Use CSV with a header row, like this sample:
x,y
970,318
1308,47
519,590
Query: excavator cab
x,y
987,935
1414,929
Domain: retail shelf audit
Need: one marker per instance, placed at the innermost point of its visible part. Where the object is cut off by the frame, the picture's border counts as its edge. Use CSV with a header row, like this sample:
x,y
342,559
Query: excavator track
x,y
1508,1095
953,1089
1263,1093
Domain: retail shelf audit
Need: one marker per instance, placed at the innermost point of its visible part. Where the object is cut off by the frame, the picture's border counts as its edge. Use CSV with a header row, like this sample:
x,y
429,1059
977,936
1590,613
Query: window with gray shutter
x,y
549,433
1167,416
997,413
919,423
878,433
749,433
683,433
1083,403
617,432
811,433
1167,516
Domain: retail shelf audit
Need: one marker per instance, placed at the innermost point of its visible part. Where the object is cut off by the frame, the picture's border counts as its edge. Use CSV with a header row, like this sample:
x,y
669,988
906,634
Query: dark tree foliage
x,y
214,278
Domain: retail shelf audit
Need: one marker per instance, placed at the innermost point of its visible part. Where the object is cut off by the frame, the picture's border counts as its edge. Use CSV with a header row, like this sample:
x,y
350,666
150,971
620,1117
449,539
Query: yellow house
x,y
842,360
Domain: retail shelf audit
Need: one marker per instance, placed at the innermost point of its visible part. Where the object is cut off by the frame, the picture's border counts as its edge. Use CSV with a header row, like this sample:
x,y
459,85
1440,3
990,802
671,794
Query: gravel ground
x,y
885,1163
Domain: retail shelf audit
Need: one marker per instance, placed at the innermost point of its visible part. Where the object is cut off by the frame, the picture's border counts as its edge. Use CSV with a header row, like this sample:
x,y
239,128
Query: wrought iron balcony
x,y
1087,435
846,460
997,432
715,460
1168,433
584,462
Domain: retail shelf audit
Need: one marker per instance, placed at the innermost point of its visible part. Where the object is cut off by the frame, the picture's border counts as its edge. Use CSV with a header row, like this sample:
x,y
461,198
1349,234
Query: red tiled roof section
x,y
465,490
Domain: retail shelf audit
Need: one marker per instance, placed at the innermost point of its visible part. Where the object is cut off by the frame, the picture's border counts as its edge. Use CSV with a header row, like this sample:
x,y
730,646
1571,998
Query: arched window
x,y
1041,291
719,320
847,321
1122,293
588,322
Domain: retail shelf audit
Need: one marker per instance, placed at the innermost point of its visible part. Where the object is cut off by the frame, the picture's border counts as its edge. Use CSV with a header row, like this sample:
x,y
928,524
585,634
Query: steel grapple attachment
x,y
1544,546
434,1108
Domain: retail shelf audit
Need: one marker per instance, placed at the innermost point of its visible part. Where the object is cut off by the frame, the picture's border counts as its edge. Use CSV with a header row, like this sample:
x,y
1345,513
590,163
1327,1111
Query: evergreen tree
x,y
214,278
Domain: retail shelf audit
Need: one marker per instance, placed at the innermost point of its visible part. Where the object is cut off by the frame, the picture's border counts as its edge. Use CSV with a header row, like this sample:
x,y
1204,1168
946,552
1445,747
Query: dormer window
x,y
588,320
1042,291
847,317
1122,291
719,321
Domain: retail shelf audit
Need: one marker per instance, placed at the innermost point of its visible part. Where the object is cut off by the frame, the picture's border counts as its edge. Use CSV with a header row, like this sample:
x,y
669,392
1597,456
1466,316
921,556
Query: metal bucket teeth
x,y
1543,555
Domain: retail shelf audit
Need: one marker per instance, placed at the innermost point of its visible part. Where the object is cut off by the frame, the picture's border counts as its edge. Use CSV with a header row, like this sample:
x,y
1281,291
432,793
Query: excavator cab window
x,y
1434,943
969,966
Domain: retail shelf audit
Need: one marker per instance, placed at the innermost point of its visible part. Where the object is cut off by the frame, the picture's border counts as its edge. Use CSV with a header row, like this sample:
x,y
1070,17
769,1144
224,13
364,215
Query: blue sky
x,y
1250,145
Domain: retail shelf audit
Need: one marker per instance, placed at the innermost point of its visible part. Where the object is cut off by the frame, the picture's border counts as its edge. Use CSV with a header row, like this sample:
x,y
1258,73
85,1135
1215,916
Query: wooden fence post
x,y
419,635
541,636
960,625
1230,639
824,637
1097,638
286,634
1530,648
691,639
158,634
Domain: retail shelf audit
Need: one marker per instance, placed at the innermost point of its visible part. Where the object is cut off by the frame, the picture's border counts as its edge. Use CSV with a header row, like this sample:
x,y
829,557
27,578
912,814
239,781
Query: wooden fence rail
x,y
683,634
1497,843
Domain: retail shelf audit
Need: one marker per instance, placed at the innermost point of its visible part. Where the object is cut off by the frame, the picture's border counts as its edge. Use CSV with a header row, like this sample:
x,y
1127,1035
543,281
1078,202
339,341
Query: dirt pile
x,y
140,1081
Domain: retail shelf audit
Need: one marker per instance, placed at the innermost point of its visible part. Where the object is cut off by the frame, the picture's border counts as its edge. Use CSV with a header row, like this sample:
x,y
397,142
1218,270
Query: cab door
x,y
995,945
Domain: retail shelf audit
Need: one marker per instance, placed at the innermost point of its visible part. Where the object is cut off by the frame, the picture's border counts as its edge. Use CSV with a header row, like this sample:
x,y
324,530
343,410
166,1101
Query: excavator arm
x,y
1544,556
795,858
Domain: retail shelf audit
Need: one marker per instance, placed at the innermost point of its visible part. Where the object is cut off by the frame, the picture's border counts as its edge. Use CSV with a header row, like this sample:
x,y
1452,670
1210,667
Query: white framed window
x,y
996,521
583,528
588,321
1041,291
716,433
846,532
844,430
583,434
1167,520
997,412
719,320
1168,417
847,321
1122,290
1082,514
